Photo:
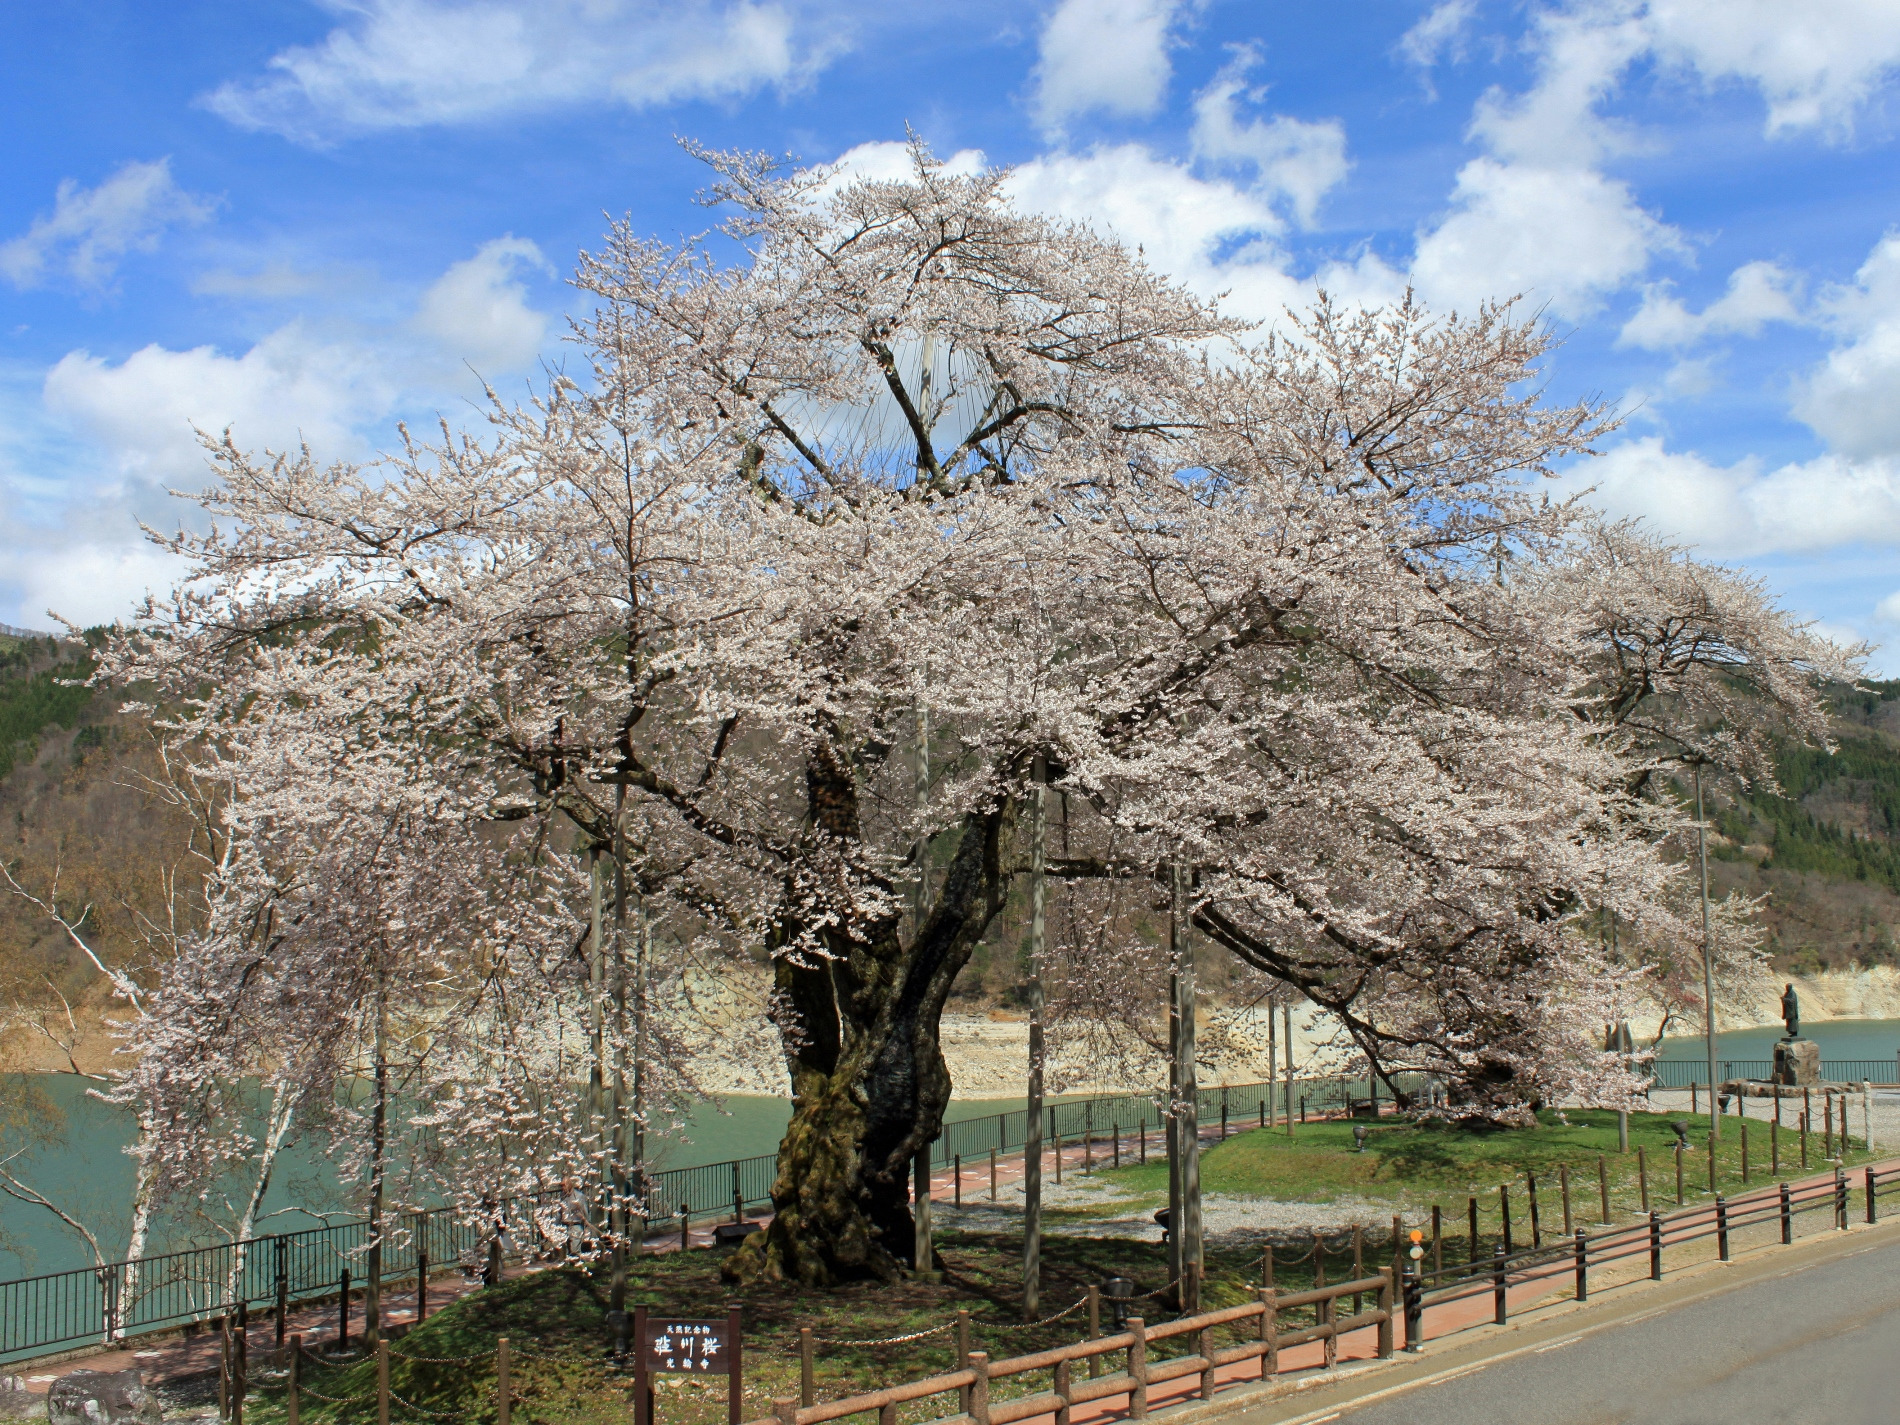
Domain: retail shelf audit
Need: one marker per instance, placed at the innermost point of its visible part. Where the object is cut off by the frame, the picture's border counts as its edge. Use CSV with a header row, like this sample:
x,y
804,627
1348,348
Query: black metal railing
x,y
1681,1073
121,1299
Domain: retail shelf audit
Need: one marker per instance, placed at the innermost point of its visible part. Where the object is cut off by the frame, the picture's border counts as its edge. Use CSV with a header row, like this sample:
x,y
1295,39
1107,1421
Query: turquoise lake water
x,y
86,1171
1838,1038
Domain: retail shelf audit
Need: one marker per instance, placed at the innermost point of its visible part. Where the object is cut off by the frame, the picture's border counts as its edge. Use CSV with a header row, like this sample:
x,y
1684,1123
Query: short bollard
x,y
1655,1246
1498,1309
1583,1266
1721,1227
1871,1216
1787,1217
1840,1199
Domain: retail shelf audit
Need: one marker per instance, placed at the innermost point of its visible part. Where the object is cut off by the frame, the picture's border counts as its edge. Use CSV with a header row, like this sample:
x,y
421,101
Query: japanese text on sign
x,y
686,1345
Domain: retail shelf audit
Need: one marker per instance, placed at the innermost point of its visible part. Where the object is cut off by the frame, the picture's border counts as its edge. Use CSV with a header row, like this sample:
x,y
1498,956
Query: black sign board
x,y
686,1346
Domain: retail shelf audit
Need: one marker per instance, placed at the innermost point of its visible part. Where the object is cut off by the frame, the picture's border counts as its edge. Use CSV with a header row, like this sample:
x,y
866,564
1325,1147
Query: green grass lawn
x,y
1408,1167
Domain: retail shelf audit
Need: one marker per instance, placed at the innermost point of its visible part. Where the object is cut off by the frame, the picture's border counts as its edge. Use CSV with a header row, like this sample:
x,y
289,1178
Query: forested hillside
x,y
80,827
1825,852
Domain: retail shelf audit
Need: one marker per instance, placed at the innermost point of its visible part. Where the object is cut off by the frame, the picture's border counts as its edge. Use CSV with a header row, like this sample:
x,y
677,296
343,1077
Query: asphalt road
x,y
1819,1346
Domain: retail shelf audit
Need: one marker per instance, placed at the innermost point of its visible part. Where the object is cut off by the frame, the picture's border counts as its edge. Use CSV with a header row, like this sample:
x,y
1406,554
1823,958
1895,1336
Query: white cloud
x,y
90,229
1815,64
290,387
1291,158
1888,609
87,580
122,432
1565,237
1758,293
1210,234
889,161
413,63
1440,34
1739,510
1853,398
1103,56
478,310
1534,216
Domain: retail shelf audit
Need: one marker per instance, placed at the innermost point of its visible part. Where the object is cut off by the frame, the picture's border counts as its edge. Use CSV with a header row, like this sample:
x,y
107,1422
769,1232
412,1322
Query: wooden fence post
x,y
1204,1348
807,1371
1064,1387
1095,1324
504,1386
785,1411
980,1387
992,1175
1137,1369
1603,1189
1269,1332
1537,1231
735,1365
963,1357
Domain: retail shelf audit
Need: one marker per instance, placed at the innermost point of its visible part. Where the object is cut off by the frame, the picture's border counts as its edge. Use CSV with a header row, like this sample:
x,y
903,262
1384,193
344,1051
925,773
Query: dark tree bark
x,y
869,1082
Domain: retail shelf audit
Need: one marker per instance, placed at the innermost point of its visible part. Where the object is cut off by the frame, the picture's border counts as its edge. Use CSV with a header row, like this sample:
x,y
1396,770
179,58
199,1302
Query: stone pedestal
x,y
1797,1062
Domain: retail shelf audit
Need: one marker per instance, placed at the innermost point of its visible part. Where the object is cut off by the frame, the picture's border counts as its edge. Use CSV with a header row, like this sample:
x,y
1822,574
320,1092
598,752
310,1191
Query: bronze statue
x,y
1791,1012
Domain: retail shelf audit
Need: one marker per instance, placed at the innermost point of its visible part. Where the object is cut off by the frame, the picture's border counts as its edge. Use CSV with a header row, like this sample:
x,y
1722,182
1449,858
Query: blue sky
x,y
313,220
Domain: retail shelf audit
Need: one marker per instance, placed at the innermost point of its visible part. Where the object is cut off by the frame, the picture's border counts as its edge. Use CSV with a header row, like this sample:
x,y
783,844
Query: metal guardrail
x,y
1681,1073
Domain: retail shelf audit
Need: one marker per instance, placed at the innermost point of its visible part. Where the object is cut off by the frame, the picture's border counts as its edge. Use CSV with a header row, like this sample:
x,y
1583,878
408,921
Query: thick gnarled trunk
x,y
869,1082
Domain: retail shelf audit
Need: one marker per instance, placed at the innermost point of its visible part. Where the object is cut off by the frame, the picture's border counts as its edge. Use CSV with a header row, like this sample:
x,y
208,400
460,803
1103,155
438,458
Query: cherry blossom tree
x,y
770,618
